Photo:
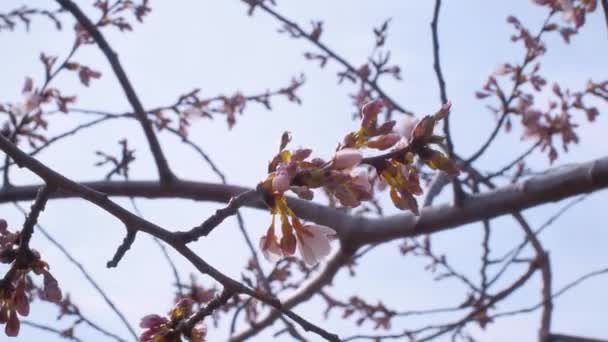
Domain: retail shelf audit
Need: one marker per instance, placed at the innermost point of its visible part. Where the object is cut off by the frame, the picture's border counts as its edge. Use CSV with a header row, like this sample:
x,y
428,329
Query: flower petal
x,y
307,254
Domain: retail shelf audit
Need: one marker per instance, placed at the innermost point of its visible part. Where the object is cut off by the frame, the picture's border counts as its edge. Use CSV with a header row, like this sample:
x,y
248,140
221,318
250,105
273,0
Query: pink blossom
x,y
347,158
280,182
270,248
314,242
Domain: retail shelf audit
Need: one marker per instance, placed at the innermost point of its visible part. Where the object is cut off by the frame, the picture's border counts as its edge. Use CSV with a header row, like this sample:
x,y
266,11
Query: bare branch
x,y
328,51
61,333
84,272
164,171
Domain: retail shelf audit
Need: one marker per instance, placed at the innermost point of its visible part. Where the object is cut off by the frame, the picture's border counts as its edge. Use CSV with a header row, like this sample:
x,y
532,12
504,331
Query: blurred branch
x,y
61,333
458,194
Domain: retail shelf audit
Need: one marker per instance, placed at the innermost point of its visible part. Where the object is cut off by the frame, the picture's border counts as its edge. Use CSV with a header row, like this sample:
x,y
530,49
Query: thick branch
x,y
555,185
52,178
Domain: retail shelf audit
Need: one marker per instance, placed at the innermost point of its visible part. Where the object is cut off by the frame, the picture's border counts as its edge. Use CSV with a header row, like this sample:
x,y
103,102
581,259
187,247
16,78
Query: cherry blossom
x,y
313,242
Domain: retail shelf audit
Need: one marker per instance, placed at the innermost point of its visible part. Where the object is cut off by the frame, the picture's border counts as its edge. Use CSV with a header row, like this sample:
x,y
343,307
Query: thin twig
x,y
507,102
329,52
43,327
515,161
84,272
542,259
164,171
220,215
457,187
605,8
555,295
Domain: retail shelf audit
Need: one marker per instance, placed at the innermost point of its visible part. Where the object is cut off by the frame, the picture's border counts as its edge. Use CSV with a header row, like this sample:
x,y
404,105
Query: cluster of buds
x,y
168,329
572,10
14,299
293,171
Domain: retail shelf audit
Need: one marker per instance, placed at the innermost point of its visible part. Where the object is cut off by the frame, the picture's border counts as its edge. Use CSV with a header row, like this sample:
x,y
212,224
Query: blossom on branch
x,y
167,329
340,178
14,299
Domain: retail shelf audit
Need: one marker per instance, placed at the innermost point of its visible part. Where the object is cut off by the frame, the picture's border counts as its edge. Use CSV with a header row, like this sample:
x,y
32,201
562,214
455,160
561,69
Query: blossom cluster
x,y
557,120
572,10
14,300
164,329
295,171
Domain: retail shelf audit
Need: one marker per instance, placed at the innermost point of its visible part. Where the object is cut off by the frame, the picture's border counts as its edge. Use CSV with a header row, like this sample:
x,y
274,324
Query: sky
x,y
215,46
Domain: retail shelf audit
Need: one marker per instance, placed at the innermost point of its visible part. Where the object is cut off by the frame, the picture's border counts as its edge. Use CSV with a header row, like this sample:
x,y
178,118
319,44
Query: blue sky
x,y
215,46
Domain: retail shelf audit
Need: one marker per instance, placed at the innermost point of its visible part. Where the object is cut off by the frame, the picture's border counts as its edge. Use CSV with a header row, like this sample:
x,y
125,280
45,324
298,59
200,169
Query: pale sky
x,y
215,46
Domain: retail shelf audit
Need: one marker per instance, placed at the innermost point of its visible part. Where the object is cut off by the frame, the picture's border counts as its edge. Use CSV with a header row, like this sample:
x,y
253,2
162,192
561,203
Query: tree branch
x,y
328,51
164,171
556,184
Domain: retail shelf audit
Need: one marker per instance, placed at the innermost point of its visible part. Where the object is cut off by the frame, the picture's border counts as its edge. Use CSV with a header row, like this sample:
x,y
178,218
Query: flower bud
x,y
384,141
51,288
370,111
12,326
280,182
347,158
152,321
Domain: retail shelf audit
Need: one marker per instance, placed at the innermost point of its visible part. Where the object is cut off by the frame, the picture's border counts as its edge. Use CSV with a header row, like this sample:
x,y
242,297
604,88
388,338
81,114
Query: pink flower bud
x,y
288,243
152,321
280,182
384,141
370,111
347,158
